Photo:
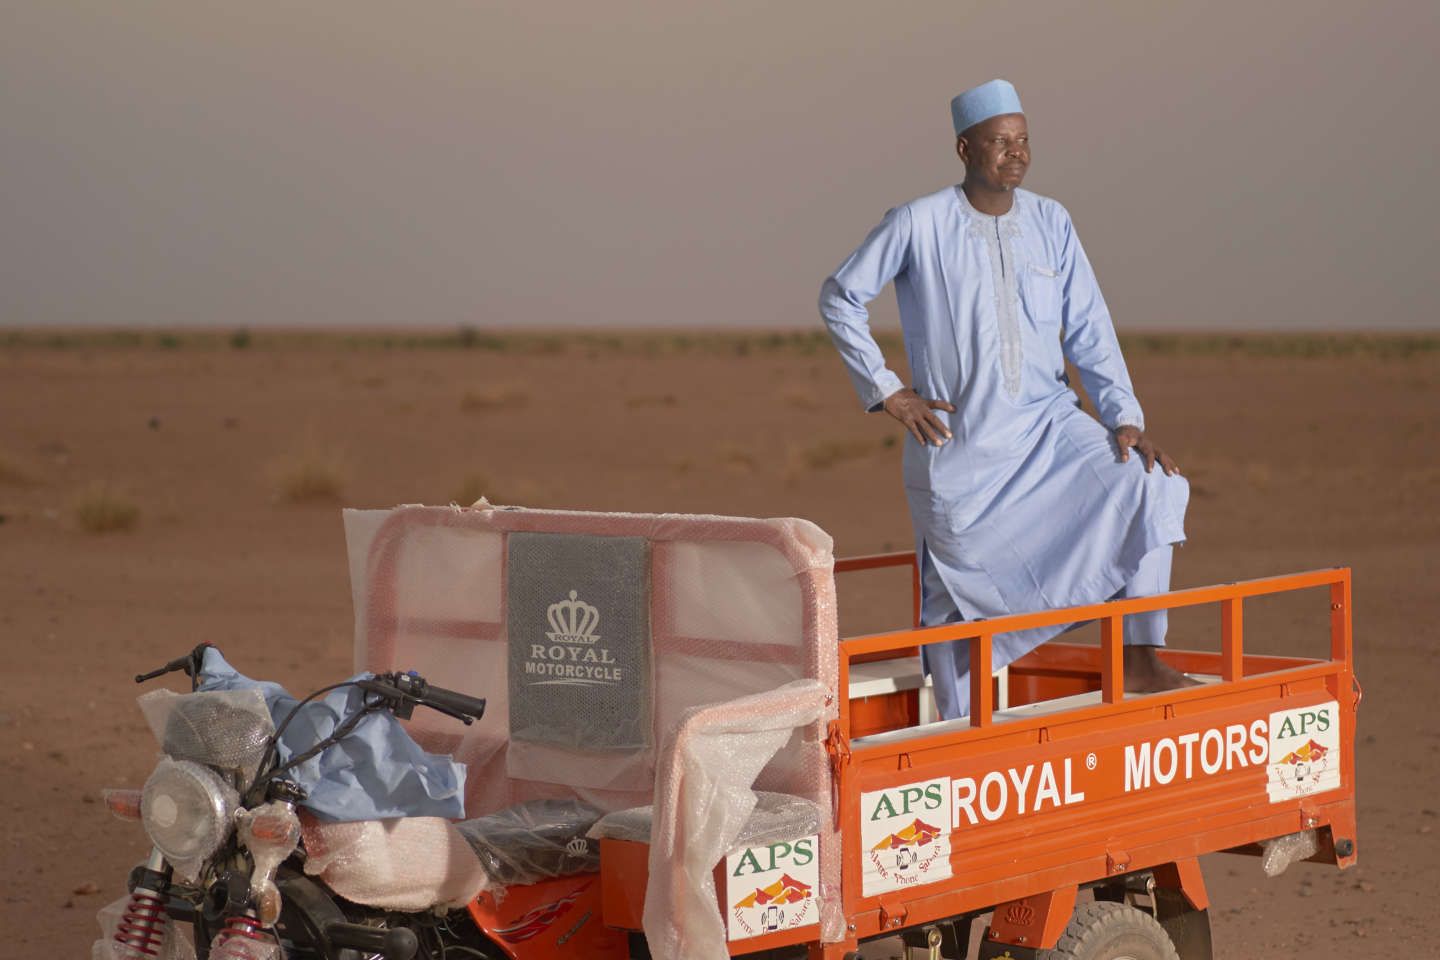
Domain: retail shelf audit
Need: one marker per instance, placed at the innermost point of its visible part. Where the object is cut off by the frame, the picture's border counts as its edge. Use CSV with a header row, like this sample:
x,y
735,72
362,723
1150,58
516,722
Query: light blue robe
x,y
1028,507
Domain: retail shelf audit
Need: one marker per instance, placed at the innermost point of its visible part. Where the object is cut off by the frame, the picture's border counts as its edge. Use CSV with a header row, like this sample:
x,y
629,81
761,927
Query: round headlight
x,y
187,809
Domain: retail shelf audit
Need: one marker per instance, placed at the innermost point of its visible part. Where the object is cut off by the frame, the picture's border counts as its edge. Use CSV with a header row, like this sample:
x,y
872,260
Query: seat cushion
x,y
406,863
535,840
777,816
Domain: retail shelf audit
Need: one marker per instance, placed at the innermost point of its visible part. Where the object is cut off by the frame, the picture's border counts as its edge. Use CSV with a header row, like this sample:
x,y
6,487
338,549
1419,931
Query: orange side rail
x,y
877,561
1110,614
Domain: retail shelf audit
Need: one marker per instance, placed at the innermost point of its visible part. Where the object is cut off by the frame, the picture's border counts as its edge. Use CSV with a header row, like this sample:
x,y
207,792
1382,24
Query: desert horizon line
x,y
672,341
10,332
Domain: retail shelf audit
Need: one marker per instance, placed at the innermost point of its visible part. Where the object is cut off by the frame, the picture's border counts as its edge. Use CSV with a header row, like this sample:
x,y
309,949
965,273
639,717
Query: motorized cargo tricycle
x,y
679,757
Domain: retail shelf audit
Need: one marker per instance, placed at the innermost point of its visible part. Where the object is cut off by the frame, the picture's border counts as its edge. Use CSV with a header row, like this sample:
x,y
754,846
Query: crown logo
x,y
571,621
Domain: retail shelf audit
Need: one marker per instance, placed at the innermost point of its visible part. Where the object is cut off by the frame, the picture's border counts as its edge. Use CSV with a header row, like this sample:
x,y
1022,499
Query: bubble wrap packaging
x,y
702,801
188,811
410,863
736,607
270,832
225,729
535,841
229,946
1280,852
175,944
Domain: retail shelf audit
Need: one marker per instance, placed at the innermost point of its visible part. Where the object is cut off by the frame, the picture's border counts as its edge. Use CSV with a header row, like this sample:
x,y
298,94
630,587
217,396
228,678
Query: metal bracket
x,y
892,914
1116,860
1034,922
838,747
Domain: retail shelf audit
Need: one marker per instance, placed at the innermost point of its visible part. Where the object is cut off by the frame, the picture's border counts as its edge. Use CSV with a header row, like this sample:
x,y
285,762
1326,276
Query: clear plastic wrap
x,y
703,798
174,940
1280,852
777,816
534,841
409,863
188,810
270,832
231,946
227,729
122,802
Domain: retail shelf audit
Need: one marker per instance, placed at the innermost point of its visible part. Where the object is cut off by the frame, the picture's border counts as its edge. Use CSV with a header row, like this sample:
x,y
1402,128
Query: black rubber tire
x,y
1112,931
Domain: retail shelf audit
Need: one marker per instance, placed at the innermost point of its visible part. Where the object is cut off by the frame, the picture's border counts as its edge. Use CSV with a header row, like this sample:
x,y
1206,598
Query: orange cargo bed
x,y
1073,784
1077,782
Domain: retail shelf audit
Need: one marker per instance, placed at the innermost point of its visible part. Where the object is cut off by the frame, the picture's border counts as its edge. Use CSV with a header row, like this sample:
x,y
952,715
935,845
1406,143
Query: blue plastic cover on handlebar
x,y
376,772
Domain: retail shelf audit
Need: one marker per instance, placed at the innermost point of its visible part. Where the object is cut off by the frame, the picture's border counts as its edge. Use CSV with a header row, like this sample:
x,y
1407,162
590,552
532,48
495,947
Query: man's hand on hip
x,y
1127,437
918,415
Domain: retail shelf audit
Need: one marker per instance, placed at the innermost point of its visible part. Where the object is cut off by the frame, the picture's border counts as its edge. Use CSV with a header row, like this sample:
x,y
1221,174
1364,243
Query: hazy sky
x,y
1228,164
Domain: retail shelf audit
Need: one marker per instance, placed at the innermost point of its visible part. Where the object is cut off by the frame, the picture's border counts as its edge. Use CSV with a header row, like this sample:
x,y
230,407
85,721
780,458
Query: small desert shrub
x,y
510,491
495,397
1389,346
14,473
651,400
472,338
102,509
799,398
1258,475
315,476
827,453
823,455
737,458
472,488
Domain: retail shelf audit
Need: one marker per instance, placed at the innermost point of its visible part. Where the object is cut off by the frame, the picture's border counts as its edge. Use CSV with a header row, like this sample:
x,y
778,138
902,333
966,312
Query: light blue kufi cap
x,y
990,99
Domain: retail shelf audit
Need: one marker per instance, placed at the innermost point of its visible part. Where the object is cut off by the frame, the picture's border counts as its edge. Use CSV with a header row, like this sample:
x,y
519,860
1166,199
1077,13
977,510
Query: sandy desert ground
x,y
238,451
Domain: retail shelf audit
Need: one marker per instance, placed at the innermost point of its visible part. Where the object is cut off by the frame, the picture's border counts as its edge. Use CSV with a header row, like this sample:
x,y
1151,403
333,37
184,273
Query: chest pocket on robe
x,y
1041,292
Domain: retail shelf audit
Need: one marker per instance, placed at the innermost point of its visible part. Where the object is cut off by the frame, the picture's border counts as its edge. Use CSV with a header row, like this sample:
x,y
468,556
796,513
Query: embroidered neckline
x,y
998,235
969,208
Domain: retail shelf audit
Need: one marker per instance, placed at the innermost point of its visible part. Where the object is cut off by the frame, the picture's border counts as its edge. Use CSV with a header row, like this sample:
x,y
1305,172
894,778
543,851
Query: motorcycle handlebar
x,y
396,943
461,703
190,663
413,688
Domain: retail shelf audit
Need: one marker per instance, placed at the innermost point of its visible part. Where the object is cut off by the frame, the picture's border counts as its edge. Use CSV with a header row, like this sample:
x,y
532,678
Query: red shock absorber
x,y
142,925
241,939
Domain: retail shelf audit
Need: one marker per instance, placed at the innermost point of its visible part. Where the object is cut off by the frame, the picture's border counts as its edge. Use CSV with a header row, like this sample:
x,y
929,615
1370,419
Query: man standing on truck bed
x,y
1020,500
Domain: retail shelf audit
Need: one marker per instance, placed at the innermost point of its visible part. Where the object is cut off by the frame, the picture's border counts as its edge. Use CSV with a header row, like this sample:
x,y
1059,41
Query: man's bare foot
x,y
1145,672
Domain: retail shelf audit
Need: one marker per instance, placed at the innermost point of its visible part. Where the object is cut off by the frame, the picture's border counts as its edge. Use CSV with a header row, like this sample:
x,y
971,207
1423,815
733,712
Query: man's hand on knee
x,y
1127,437
918,415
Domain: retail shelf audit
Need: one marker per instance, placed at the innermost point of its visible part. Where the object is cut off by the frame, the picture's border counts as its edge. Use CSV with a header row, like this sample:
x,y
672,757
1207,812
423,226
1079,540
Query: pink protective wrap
x,y
738,607
412,863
